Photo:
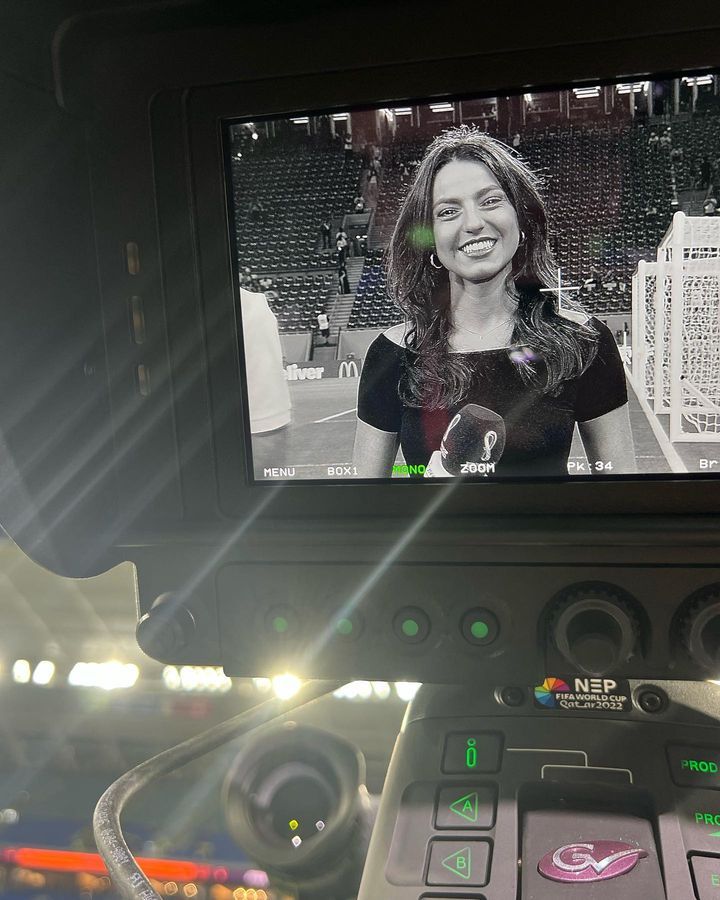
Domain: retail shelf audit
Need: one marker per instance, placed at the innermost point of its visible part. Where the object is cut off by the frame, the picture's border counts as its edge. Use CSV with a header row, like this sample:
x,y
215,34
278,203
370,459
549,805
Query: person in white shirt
x,y
324,325
268,394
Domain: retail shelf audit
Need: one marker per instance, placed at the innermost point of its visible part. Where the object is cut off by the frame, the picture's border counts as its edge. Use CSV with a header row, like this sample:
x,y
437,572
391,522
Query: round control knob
x,y
701,627
167,629
595,630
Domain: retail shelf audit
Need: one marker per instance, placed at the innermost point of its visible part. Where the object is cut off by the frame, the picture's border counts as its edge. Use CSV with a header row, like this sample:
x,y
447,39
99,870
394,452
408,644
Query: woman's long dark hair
x,y
435,377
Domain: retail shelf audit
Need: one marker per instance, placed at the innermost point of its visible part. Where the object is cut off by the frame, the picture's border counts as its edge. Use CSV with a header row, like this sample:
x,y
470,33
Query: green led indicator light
x,y
479,630
345,626
280,624
471,759
410,628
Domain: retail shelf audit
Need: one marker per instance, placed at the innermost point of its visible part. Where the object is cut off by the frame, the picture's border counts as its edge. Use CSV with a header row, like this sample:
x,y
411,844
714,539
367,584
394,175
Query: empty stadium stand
x,y
281,196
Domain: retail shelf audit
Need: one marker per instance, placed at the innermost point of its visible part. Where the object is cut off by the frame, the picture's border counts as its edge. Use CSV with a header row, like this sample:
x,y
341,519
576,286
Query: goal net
x,y
676,328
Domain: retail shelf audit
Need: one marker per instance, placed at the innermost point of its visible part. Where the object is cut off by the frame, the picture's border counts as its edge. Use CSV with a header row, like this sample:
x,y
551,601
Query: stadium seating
x,y
281,197
297,299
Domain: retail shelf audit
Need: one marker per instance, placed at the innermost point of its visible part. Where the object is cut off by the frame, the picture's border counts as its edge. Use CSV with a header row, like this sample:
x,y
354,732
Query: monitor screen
x,y
524,286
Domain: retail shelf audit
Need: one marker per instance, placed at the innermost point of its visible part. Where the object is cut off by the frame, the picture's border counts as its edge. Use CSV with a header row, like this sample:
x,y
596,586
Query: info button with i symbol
x,y
467,752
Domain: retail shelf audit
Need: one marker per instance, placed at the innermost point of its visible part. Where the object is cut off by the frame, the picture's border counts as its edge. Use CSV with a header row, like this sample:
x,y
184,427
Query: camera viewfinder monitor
x,y
516,287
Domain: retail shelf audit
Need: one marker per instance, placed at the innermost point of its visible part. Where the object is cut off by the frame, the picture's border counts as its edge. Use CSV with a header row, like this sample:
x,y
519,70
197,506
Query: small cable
x,y
128,879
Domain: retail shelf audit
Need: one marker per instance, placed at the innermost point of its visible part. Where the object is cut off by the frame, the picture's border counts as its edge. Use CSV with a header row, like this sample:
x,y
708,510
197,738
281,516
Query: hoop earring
x,y
522,238
436,264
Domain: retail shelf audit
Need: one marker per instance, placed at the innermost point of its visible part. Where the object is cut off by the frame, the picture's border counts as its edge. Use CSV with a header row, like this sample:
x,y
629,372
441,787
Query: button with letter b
x,y
467,752
459,862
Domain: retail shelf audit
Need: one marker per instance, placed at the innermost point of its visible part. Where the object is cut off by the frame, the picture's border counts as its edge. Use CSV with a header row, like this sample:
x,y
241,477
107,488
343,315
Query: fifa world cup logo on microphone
x,y
474,441
488,443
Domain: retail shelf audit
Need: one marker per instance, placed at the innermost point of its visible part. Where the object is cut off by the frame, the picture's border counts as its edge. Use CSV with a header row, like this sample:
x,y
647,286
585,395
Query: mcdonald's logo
x,y
348,369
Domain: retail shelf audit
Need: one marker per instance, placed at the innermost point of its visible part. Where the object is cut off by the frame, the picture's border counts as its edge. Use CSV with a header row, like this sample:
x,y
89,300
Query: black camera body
x,y
122,421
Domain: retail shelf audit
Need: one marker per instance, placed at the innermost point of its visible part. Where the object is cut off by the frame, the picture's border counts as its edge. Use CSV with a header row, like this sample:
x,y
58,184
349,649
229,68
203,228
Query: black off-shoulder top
x,y
539,427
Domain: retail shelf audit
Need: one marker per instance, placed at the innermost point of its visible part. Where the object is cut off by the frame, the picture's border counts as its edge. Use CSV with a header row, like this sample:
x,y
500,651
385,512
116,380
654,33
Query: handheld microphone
x,y
473,442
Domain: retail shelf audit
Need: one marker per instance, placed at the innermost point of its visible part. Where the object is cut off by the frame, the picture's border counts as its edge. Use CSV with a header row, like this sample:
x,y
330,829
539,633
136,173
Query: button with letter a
x,y
466,806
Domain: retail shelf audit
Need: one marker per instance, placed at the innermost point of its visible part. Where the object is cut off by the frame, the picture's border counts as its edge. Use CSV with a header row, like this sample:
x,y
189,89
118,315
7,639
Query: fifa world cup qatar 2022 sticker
x,y
583,693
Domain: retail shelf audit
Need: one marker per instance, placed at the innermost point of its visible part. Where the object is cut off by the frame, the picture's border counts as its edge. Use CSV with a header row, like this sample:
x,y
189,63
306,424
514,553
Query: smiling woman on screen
x,y
467,263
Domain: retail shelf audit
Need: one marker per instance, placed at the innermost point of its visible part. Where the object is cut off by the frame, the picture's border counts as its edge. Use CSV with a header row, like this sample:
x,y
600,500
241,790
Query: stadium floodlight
x,y
635,87
109,676
21,671
364,690
354,690
199,678
583,93
698,80
406,690
171,678
286,686
44,672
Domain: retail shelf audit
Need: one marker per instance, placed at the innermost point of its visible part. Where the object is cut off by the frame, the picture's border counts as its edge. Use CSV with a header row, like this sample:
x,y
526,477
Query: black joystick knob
x,y
594,630
701,628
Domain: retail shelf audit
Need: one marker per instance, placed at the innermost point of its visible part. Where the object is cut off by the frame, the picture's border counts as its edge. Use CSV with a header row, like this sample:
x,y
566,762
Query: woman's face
x,y
474,224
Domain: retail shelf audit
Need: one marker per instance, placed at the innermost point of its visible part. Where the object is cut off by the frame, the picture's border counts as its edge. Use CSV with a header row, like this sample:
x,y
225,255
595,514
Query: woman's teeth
x,y
478,248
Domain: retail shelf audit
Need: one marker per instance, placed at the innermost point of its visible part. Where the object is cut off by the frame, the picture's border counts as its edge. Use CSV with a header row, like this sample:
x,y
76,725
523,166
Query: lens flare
x,y
421,237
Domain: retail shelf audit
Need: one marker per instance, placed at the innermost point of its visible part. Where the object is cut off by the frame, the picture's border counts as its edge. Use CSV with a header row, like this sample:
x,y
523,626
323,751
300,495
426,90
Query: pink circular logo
x,y
591,861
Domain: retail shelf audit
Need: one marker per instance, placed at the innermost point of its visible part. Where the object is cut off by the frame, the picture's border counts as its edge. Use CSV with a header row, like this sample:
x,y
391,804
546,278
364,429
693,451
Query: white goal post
x,y
676,328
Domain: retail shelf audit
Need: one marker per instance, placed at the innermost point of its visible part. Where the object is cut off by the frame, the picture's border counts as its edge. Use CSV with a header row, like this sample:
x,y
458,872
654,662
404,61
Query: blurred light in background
x,y
113,675
355,690
196,678
43,672
286,686
109,676
406,690
376,690
21,671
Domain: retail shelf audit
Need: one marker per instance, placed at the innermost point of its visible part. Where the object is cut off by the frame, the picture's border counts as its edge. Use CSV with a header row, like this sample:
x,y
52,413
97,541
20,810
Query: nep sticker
x,y
583,694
